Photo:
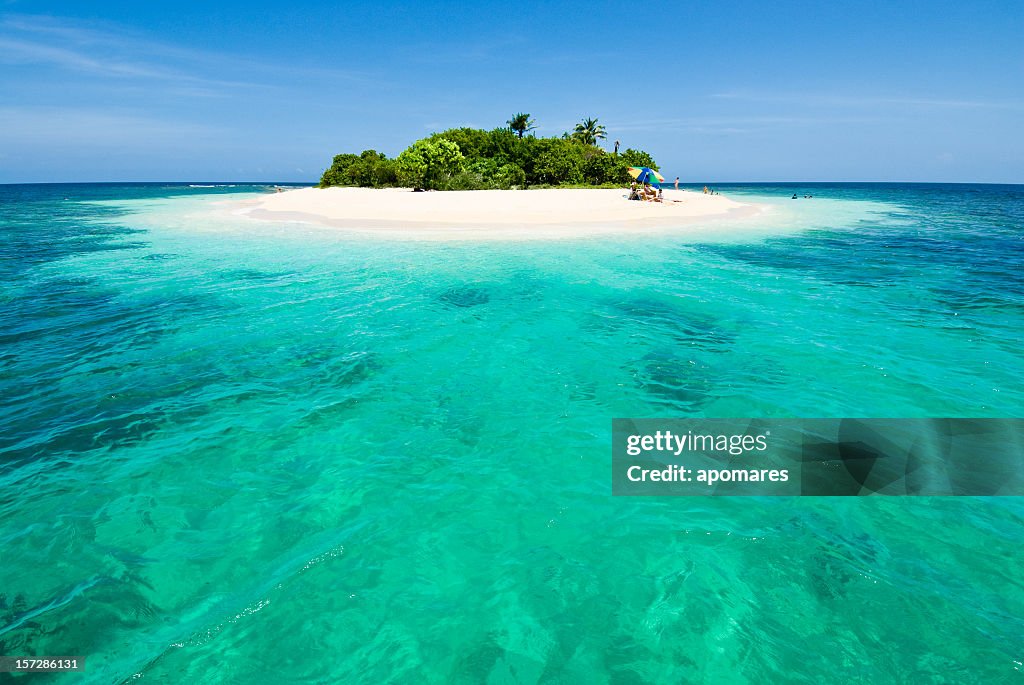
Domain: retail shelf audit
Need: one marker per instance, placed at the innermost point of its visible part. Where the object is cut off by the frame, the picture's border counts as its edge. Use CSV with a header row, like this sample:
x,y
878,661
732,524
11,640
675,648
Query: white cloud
x,y
63,127
730,125
116,53
865,100
20,51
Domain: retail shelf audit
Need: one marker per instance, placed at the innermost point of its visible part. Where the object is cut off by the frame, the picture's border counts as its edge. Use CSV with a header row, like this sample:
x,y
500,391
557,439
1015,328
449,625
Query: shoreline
x,y
544,214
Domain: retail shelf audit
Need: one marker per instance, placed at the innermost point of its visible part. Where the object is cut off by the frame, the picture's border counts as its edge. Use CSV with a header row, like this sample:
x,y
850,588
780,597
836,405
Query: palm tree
x,y
589,132
521,123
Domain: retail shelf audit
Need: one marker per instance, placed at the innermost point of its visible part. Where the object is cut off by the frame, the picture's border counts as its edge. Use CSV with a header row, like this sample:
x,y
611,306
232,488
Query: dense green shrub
x,y
638,158
508,177
487,174
473,143
604,168
475,159
369,170
429,164
553,168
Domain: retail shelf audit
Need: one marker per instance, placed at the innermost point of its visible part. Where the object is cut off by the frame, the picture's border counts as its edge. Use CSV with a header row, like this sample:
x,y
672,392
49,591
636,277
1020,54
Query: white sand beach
x,y
493,214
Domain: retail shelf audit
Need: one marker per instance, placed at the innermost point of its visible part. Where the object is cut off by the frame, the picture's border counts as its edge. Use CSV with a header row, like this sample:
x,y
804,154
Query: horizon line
x,y
681,182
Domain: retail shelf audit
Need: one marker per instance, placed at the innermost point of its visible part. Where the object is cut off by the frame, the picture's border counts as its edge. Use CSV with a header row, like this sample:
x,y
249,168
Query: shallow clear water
x,y
231,448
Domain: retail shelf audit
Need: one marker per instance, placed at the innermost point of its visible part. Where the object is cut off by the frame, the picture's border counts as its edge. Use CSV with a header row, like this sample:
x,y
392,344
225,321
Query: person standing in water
x,y
677,183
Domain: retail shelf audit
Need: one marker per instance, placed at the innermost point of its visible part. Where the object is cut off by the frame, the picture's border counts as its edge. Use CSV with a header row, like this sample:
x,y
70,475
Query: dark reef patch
x,y
464,296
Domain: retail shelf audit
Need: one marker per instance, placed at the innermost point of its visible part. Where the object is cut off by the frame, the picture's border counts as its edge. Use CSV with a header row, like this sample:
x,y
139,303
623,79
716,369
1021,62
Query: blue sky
x,y
721,91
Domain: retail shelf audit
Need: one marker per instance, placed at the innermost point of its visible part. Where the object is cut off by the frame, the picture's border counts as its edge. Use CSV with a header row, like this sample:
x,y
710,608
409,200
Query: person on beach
x,y
677,183
705,190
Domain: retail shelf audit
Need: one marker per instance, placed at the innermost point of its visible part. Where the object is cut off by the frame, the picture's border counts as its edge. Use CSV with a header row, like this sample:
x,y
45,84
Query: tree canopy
x,y
429,163
502,158
521,124
589,131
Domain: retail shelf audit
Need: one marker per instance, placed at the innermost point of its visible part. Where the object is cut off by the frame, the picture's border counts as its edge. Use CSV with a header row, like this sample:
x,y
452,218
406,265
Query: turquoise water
x,y
235,451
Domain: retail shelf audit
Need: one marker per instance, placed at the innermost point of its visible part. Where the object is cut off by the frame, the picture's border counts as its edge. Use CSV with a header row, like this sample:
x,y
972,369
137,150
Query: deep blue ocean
x,y
235,451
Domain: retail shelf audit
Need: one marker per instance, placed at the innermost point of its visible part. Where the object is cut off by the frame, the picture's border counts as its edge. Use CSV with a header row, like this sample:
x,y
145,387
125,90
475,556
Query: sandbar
x,y
493,214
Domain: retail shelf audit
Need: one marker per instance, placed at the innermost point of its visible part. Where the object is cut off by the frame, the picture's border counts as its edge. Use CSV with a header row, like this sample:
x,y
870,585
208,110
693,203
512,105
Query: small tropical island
x,y
506,158
502,184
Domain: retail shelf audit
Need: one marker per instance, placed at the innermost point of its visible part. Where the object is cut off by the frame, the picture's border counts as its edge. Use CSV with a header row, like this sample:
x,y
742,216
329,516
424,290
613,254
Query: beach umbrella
x,y
645,174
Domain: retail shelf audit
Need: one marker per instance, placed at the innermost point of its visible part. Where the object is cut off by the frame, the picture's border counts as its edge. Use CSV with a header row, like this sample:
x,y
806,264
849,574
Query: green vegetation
x,y
429,163
504,158
521,124
589,132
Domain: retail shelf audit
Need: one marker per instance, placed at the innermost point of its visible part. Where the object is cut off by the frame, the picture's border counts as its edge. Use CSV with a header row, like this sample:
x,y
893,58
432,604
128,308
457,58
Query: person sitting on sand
x,y
633,194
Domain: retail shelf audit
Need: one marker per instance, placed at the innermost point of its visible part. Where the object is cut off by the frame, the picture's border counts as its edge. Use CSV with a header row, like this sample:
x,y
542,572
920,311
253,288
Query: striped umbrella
x,y
644,174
